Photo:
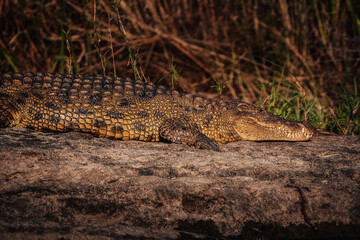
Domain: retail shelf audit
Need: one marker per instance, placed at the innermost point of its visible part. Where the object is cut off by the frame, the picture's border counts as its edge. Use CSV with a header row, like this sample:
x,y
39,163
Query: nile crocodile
x,y
126,109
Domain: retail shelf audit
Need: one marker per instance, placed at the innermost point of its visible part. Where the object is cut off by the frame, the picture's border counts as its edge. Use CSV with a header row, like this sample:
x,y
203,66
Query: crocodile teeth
x,y
298,134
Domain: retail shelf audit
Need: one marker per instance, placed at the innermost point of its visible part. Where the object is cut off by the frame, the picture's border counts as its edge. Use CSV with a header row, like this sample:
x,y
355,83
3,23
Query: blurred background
x,y
299,59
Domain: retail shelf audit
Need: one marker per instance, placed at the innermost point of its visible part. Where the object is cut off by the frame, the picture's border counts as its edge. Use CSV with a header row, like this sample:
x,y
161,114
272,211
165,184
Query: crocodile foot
x,y
174,130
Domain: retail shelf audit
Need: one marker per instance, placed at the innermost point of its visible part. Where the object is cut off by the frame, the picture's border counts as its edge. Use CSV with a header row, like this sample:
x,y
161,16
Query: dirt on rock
x,y
73,185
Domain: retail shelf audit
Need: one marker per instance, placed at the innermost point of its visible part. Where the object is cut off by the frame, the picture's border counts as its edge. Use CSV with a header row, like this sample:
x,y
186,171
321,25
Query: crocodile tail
x,y
7,109
11,101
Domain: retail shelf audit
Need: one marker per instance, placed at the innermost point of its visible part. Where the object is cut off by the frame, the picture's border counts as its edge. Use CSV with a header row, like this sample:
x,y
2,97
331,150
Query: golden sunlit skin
x,y
126,109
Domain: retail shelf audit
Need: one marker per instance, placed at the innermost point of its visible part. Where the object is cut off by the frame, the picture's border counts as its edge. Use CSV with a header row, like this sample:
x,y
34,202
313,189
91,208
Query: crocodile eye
x,y
248,107
199,103
199,107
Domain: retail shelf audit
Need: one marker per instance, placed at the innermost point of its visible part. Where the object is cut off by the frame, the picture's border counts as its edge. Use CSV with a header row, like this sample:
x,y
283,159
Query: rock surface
x,y
72,185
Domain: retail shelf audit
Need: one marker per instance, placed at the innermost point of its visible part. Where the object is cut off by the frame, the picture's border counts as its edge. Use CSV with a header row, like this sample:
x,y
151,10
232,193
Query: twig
x,y
132,58
332,112
98,40
69,62
111,40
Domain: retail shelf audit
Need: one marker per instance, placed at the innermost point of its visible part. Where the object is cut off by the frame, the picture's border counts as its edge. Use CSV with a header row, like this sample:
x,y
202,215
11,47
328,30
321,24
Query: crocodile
x,y
126,109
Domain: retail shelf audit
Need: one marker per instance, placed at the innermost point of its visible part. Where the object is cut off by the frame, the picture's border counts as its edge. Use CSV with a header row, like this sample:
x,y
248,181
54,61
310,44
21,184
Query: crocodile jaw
x,y
272,128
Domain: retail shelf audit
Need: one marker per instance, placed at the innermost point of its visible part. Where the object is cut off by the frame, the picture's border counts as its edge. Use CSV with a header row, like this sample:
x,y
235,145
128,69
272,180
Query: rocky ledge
x,y
73,185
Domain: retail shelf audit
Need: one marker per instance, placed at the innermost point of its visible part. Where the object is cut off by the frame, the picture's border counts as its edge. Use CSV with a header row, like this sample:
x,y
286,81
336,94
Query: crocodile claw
x,y
207,144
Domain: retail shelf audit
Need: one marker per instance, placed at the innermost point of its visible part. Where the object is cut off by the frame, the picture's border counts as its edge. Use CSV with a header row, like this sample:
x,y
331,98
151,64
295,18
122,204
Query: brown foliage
x,y
239,43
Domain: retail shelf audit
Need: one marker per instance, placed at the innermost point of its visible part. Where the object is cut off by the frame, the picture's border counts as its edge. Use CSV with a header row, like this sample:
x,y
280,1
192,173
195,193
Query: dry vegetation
x,y
299,58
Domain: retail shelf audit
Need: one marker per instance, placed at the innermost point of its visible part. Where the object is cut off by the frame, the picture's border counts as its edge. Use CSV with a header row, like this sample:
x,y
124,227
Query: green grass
x,y
9,60
288,102
346,115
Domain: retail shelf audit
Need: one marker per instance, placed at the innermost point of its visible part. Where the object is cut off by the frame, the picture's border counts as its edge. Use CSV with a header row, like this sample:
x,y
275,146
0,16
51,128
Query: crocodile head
x,y
256,124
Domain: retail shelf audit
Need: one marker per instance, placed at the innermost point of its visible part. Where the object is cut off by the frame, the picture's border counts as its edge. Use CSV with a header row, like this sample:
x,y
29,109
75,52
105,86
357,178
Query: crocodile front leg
x,y
175,131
